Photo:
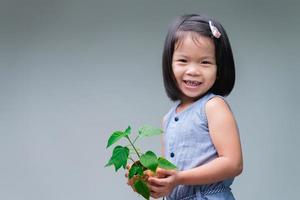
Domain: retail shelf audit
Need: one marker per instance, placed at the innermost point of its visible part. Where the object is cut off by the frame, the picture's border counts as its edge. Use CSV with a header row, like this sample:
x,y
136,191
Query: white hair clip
x,y
216,33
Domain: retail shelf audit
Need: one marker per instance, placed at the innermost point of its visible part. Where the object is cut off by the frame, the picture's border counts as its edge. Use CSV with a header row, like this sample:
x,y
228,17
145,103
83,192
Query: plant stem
x,y
133,146
137,137
131,159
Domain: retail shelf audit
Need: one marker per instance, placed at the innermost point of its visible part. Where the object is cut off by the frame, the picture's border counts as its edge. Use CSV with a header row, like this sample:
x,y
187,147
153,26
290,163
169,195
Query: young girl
x,y
200,133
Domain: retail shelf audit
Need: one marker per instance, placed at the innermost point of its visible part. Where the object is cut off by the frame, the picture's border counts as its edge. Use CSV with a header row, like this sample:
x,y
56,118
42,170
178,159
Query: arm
x,y
229,163
225,136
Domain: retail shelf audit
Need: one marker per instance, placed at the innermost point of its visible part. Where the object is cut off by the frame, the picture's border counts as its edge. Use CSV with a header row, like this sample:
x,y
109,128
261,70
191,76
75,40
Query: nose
x,y
193,70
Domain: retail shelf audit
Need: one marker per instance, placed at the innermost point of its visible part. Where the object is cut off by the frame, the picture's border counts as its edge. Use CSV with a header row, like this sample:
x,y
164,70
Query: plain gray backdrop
x,y
73,71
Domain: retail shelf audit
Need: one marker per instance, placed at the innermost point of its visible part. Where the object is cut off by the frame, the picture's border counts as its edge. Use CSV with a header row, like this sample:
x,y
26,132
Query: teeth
x,y
192,83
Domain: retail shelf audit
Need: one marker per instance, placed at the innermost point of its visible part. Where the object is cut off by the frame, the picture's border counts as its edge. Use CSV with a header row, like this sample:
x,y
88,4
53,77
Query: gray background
x,y
72,72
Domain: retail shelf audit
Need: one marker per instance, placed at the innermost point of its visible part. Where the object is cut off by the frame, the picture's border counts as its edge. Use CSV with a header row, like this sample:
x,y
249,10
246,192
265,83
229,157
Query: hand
x,y
161,187
131,181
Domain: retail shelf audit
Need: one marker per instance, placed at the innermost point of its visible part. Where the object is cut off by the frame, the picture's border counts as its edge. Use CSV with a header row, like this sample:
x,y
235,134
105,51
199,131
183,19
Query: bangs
x,y
181,35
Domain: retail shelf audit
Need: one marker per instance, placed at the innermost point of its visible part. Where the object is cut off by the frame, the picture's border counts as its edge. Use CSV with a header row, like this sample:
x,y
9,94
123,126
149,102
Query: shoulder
x,y
217,105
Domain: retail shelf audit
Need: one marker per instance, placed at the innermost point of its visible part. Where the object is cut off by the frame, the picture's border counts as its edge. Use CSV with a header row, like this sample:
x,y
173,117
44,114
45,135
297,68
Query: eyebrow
x,y
180,55
185,56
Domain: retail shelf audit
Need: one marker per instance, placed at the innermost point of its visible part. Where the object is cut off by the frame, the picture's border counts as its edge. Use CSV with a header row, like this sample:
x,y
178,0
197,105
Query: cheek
x,y
176,72
214,72
212,76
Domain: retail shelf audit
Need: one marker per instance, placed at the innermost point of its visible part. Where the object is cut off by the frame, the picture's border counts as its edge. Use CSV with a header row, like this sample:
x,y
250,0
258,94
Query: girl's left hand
x,y
161,187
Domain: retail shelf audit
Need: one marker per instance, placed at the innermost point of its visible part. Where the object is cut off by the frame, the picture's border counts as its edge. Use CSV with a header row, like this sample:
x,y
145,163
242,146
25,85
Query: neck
x,y
186,102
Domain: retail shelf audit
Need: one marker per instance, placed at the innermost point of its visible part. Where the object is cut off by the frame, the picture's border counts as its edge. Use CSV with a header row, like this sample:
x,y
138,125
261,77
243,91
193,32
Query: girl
x,y
200,133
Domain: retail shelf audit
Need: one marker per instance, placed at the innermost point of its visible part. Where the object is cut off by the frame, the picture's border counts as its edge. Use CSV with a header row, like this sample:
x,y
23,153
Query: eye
x,y
182,60
206,62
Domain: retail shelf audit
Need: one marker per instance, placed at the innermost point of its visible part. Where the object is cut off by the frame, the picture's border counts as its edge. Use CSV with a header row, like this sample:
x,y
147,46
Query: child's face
x,y
194,65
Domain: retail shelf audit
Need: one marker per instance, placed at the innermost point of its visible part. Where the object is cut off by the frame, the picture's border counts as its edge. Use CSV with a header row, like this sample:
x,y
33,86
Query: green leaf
x,y
147,131
119,157
165,164
128,130
142,188
117,135
149,160
135,169
109,163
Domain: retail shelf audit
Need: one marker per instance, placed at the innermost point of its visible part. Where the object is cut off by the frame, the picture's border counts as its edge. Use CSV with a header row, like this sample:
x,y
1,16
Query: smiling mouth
x,y
192,83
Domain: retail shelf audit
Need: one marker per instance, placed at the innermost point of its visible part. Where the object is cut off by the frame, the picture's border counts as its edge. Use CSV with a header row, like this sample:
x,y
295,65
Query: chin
x,y
192,96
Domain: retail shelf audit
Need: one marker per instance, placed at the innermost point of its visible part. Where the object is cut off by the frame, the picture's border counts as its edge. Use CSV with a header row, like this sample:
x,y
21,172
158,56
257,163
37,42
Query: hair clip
x,y
216,33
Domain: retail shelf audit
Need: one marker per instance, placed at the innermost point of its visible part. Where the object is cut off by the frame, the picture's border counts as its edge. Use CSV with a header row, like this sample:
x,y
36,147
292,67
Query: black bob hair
x,y
224,58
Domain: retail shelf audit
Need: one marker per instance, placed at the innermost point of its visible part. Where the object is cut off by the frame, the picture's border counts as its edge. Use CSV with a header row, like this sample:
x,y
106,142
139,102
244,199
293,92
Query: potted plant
x,y
141,162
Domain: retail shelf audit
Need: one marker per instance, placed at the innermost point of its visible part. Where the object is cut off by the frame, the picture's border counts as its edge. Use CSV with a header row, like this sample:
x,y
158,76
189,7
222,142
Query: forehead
x,y
194,43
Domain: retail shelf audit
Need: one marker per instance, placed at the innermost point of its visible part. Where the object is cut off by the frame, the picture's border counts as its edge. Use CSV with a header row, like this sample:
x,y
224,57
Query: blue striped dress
x,y
188,144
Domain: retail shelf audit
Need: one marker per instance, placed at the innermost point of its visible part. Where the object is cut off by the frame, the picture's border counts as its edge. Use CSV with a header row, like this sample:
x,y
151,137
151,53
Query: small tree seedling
x,y
141,162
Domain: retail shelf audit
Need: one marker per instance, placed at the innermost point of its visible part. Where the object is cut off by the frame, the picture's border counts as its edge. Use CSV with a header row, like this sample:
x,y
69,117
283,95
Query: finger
x,y
128,166
149,173
126,174
155,195
154,184
130,182
156,181
159,175
165,172
154,189
133,189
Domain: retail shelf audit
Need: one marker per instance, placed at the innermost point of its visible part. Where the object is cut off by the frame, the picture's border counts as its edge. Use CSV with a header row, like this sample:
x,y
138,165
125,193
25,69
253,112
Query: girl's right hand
x,y
131,181
146,175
